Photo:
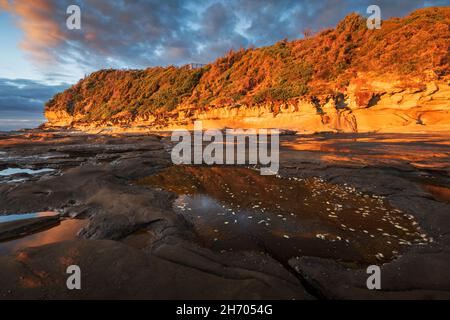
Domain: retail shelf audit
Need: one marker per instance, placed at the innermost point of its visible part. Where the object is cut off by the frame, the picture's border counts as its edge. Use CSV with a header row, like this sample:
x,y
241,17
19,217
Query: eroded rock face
x,y
386,108
59,118
364,107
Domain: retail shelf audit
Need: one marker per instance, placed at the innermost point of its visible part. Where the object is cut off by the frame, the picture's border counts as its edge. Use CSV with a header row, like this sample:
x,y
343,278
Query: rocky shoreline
x,y
93,177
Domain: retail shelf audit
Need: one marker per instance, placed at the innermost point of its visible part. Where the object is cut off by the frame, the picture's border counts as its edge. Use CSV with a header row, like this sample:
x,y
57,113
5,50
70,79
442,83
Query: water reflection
x,y
11,171
65,230
234,208
439,193
420,151
15,217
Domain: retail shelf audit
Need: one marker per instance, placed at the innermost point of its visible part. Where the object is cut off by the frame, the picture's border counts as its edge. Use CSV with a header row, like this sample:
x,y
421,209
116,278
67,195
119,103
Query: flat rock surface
x,y
136,246
112,270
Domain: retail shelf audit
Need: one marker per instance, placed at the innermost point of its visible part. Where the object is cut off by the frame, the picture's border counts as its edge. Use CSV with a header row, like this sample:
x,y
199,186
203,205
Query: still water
x,y
16,217
66,229
234,208
11,171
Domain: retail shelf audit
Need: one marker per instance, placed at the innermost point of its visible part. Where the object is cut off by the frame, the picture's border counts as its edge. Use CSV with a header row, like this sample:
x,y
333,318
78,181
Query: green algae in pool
x,y
235,208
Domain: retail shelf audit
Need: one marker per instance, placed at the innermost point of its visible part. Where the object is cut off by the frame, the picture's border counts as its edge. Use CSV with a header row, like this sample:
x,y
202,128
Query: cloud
x,y
23,100
142,33
40,29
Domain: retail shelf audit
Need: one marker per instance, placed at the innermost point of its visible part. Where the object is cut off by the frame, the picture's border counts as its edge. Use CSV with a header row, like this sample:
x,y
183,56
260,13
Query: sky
x,y
40,56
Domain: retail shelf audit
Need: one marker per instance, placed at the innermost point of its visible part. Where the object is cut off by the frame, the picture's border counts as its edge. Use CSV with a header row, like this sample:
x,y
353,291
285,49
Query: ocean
x,y
17,124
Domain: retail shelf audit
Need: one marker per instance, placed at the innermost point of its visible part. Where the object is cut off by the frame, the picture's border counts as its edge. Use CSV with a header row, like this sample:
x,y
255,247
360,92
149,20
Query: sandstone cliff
x,y
351,79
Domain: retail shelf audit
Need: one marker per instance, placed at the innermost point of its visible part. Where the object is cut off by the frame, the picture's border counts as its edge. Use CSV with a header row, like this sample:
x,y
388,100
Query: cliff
x,y
348,79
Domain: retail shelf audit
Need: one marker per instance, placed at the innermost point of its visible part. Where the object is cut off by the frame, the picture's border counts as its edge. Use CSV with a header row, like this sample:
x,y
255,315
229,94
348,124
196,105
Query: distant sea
x,y
17,124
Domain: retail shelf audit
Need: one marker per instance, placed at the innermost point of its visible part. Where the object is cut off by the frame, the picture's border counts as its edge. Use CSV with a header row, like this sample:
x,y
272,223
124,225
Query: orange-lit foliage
x,y
413,47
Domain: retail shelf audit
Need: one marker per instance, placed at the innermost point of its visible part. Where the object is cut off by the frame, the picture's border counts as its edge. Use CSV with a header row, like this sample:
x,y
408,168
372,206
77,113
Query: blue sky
x,y
40,56
13,63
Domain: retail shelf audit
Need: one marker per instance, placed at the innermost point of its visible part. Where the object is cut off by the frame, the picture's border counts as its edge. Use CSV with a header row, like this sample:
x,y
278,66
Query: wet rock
x,y
14,229
95,178
433,215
